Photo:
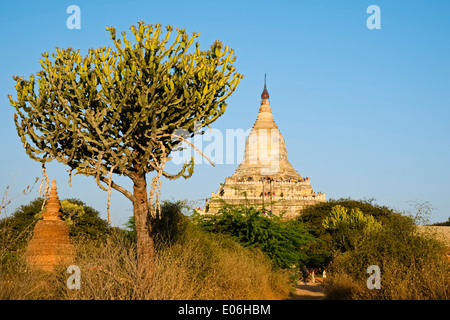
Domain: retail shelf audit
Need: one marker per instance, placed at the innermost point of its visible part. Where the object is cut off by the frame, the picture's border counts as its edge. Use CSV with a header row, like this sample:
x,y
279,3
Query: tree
x,y
117,110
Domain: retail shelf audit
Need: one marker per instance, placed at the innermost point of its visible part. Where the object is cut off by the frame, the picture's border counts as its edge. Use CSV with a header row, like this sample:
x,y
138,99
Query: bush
x,y
347,228
281,240
413,265
330,240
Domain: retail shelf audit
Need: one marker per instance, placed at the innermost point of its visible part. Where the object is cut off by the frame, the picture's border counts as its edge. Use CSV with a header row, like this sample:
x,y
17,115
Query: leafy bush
x,y
358,234
168,226
330,240
281,240
413,266
347,228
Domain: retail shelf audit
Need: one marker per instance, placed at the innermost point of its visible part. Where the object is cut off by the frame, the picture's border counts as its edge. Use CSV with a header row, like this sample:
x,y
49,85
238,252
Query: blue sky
x,y
364,113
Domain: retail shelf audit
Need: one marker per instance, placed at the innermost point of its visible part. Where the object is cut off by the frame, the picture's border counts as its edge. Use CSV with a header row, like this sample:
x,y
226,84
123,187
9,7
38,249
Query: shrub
x,y
413,265
330,240
281,240
347,228
17,230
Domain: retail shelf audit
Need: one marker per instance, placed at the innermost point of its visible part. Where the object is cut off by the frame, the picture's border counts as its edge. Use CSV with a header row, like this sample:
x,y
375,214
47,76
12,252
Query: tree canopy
x,y
116,109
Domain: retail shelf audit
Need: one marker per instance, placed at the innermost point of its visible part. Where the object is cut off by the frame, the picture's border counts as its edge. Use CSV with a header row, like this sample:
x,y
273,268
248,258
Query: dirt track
x,y
311,291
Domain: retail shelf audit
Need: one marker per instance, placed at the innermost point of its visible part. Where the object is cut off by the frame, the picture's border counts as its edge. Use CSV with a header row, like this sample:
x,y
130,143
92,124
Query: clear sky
x,y
364,113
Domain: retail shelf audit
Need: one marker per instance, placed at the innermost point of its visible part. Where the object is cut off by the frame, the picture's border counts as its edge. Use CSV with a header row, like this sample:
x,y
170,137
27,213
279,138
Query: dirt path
x,y
311,291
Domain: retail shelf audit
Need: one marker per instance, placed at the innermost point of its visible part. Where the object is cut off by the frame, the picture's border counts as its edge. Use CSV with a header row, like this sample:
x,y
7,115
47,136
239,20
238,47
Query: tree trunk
x,y
145,244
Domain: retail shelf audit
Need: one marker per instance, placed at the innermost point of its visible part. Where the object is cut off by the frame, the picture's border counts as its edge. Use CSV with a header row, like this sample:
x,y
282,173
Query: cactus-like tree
x,y
116,111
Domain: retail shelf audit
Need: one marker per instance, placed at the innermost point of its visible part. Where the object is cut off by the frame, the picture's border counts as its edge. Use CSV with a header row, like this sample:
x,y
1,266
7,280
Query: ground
x,y
311,291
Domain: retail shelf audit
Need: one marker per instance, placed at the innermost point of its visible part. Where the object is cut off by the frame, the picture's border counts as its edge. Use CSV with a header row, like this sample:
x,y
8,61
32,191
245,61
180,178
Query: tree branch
x,y
122,190
193,147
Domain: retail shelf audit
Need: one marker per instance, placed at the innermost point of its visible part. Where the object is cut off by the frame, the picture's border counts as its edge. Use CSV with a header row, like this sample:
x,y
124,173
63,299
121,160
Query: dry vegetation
x,y
418,271
197,267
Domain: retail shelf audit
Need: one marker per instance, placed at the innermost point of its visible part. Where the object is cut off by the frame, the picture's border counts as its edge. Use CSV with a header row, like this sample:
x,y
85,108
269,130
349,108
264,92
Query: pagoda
x,y
51,244
265,179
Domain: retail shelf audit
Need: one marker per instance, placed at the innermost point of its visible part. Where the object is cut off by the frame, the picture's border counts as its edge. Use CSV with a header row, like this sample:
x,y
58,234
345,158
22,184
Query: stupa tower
x,y
51,244
265,178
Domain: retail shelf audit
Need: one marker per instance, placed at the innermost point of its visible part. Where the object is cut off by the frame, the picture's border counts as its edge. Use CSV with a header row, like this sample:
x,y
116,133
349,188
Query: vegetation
x,y
321,252
443,224
358,234
169,226
348,228
281,240
237,254
191,263
123,110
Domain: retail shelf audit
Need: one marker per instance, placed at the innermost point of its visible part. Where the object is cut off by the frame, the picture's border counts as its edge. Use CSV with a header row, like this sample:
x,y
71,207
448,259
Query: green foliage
x,y
84,221
340,218
116,109
338,240
356,234
124,110
281,240
413,265
168,227
347,228
199,265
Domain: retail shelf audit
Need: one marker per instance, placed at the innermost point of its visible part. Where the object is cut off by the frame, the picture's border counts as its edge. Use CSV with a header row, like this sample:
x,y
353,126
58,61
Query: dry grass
x,y
396,284
198,267
421,272
442,233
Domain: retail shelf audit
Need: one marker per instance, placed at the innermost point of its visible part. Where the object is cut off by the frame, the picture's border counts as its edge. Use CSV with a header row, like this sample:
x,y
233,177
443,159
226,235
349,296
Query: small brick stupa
x,y
51,245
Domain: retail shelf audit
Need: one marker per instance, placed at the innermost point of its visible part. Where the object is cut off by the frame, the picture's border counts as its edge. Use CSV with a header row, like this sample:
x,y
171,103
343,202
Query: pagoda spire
x,y
265,150
53,207
265,93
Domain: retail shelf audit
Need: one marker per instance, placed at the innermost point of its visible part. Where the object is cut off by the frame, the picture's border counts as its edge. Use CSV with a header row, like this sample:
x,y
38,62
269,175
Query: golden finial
x,y
265,93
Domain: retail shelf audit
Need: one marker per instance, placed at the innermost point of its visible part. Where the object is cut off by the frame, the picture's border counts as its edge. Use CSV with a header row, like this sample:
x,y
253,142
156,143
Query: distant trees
x,y
329,238
445,223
